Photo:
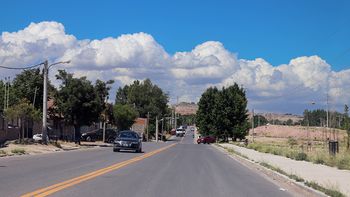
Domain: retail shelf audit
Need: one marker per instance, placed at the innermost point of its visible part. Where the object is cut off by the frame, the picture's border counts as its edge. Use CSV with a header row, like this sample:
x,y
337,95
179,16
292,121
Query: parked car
x,y
39,137
97,135
206,140
128,140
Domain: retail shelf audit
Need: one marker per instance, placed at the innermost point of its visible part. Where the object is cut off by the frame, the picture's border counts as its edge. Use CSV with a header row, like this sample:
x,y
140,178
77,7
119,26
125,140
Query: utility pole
x,y
44,128
147,136
34,96
175,120
5,85
253,124
162,128
327,111
46,73
156,128
8,92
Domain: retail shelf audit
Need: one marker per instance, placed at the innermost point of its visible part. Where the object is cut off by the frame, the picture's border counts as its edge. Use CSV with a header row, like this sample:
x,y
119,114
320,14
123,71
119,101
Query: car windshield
x,y
128,135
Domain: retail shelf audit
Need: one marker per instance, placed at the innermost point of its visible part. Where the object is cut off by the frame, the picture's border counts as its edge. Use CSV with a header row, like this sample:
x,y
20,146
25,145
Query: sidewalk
x,y
326,176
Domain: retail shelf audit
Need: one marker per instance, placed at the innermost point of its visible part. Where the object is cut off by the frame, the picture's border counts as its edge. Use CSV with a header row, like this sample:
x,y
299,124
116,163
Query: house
x,y
140,126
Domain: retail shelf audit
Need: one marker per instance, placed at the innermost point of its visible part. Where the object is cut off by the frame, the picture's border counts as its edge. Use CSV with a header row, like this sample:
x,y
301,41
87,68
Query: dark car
x,y
128,140
206,140
97,135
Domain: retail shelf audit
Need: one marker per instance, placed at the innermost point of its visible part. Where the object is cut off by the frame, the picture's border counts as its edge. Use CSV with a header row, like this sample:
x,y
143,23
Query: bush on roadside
x,y
2,152
57,144
18,151
319,160
343,162
301,157
292,142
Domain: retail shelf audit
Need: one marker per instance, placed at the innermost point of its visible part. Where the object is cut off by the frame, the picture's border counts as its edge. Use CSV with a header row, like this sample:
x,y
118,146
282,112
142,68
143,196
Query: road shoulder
x,y
284,182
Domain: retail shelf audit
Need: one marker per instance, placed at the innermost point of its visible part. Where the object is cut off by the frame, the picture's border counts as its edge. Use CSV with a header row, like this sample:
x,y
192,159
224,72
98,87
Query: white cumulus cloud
x,y
283,88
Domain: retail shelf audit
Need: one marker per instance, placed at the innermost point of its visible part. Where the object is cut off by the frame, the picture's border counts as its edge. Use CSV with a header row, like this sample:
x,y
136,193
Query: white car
x,y
180,132
39,137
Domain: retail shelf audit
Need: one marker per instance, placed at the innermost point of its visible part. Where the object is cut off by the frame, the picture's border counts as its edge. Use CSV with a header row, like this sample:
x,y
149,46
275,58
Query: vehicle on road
x,y
206,140
97,135
180,132
128,140
39,137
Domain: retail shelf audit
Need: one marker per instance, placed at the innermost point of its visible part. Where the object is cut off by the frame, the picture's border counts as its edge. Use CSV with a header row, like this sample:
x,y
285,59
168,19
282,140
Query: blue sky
x,y
275,30
285,53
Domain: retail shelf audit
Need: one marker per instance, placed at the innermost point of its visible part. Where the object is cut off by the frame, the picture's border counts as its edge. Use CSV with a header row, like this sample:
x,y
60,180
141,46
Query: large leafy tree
x,y
146,98
124,115
29,85
102,90
78,101
223,113
205,112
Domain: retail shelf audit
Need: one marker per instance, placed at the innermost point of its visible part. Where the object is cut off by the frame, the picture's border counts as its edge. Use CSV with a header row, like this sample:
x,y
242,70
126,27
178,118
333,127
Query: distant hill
x,y
184,108
281,117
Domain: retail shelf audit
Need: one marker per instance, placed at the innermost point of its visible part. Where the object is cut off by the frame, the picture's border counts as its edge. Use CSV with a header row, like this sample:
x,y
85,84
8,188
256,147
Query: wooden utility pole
x,y
147,135
157,129
253,124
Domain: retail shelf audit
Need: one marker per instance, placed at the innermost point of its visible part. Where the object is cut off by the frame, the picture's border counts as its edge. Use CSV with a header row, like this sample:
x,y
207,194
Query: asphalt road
x,y
185,169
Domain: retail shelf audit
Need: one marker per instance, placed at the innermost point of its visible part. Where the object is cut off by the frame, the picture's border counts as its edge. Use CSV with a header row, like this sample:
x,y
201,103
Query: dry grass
x,y
299,150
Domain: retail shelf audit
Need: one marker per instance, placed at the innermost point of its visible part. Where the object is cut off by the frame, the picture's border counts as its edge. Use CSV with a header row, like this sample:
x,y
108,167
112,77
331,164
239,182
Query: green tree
x,y
289,122
205,111
78,101
29,85
124,115
146,98
259,120
25,112
223,113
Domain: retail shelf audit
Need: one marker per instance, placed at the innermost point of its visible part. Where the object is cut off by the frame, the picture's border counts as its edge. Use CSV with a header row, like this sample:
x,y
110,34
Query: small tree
x,y
25,112
124,115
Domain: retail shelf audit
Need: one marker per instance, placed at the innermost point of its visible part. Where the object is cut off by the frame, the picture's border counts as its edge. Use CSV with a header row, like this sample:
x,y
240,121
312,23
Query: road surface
x,y
172,169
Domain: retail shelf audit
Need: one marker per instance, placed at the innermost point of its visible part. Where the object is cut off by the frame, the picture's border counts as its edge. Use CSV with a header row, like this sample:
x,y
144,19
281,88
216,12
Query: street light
x,y
45,73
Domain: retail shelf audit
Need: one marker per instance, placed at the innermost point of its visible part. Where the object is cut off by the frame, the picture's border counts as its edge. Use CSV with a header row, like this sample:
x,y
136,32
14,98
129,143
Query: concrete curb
x,y
266,171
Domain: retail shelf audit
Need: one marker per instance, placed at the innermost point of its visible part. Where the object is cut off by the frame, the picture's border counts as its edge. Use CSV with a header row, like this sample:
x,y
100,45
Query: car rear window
x,y
128,135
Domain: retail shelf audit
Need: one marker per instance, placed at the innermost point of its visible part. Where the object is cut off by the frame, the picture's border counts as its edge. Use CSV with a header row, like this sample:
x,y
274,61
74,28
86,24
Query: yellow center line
x,y
71,182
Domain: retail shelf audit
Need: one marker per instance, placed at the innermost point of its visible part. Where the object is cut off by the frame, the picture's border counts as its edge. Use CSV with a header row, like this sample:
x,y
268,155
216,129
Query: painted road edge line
x,y
74,181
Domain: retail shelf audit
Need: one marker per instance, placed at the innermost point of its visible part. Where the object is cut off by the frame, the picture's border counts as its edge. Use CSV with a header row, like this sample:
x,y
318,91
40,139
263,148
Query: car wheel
x,y
115,150
88,139
110,140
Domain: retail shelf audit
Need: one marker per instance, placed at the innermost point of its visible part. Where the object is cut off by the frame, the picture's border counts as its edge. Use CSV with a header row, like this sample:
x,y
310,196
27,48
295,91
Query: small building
x,y
140,126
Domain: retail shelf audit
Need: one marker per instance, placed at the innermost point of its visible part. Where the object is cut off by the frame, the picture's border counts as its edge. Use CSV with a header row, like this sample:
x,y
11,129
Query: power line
x,y
21,68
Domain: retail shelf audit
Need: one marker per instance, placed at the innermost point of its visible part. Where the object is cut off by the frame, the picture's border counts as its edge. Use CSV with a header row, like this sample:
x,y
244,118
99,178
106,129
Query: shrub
x,y
18,151
292,142
2,152
296,178
330,192
319,160
57,144
343,163
301,157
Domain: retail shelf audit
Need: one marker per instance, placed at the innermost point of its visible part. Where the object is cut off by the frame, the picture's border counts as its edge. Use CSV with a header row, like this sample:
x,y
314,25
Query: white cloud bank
x,y
284,88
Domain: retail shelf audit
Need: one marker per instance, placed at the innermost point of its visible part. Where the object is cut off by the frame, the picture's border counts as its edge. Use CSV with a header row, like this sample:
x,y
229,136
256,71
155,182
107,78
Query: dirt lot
x,y
298,132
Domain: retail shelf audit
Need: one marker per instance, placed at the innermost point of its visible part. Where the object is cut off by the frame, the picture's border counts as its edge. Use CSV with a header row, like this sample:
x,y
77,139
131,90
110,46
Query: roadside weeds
x,y
16,149
312,186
